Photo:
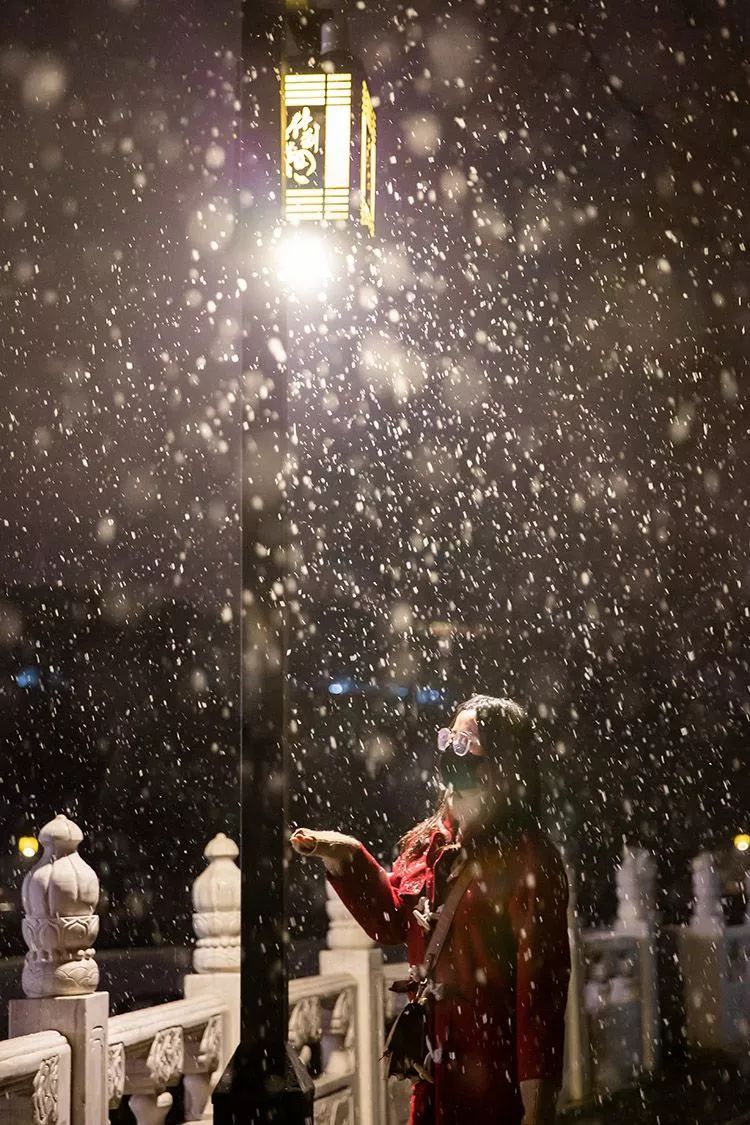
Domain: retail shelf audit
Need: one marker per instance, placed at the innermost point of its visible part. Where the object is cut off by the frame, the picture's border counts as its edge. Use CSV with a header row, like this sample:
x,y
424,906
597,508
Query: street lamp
x,y
327,125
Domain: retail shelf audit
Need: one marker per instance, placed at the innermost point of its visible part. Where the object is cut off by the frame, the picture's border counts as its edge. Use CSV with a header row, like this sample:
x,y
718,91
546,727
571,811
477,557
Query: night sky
x,y
527,417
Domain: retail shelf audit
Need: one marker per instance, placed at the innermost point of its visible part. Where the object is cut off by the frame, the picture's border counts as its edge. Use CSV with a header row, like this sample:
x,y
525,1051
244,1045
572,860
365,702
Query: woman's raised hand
x,y
334,848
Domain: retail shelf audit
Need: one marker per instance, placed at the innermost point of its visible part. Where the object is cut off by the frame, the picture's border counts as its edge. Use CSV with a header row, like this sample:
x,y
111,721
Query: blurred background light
x,y
28,846
28,677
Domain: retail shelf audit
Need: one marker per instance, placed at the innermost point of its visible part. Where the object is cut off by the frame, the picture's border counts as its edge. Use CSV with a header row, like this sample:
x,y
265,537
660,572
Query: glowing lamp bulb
x,y
28,846
742,842
304,262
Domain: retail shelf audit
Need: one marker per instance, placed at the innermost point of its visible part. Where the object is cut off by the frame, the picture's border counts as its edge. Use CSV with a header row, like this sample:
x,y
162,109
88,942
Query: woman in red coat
x,y
496,1016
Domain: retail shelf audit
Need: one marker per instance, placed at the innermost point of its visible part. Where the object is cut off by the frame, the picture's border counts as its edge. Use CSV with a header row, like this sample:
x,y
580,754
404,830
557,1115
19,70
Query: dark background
x,y
528,421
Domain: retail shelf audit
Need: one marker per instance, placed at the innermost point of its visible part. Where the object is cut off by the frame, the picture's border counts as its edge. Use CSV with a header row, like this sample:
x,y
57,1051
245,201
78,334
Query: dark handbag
x,y
408,1048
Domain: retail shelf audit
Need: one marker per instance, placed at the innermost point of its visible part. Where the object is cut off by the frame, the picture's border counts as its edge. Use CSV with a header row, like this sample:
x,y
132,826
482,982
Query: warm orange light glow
x,y
742,842
28,846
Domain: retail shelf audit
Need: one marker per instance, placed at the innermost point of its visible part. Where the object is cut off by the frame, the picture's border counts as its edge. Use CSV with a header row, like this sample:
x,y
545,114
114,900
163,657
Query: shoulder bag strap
x,y
445,918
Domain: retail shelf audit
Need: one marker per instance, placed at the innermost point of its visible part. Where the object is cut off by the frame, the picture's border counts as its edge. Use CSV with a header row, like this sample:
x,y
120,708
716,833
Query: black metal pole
x,y
265,1081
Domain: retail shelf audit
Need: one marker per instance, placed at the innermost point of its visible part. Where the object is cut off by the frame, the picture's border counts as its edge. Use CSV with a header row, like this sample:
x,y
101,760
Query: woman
x,y
496,1017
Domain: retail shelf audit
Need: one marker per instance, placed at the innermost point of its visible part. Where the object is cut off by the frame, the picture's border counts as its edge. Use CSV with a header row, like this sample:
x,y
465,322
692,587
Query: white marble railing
x,y
613,1007
153,1049
68,1061
323,1030
715,964
35,1080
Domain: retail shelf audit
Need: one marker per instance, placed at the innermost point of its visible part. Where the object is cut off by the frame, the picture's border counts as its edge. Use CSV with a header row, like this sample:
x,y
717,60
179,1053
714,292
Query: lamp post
x,y
326,121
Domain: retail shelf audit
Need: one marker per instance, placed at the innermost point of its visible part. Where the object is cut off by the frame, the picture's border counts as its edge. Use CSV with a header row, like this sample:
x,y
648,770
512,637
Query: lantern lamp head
x,y
328,137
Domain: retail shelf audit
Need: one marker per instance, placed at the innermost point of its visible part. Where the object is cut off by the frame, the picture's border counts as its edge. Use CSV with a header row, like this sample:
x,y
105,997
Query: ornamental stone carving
x,y
341,1059
115,1074
305,1027
166,1057
45,1093
209,1053
708,915
60,894
636,890
216,902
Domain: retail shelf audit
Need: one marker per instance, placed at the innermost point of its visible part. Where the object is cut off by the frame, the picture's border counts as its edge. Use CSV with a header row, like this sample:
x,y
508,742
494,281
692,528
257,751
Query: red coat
x,y
504,968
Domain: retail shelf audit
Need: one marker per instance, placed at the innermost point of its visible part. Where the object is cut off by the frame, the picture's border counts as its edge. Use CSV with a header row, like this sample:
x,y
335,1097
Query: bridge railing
x,y
69,1062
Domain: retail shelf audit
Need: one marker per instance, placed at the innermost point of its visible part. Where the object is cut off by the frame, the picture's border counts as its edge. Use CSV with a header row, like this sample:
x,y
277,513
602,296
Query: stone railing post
x,y
350,950
637,916
636,892
708,916
704,960
577,1066
60,974
216,921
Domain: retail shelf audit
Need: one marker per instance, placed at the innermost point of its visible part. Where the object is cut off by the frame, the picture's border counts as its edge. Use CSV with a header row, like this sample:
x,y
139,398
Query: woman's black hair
x,y
509,738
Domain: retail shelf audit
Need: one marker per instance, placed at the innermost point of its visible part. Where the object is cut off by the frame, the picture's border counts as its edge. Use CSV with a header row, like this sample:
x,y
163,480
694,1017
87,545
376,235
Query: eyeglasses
x,y
459,741
455,765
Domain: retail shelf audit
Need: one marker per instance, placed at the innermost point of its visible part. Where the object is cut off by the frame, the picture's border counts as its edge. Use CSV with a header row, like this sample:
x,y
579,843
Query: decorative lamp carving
x,y
328,136
59,895
216,902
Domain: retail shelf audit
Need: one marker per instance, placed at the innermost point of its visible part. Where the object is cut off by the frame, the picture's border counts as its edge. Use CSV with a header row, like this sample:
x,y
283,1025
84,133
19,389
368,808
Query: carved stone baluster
x,y
45,1094
60,973
350,950
703,950
216,900
60,894
638,917
708,915
636,892
116,1066
341,1030
216,921
146,1080
150,1109
202,1060
305,1027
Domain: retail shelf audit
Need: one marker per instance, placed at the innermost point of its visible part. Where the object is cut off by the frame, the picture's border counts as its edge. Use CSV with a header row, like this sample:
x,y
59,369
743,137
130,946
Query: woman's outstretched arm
x,y
367,890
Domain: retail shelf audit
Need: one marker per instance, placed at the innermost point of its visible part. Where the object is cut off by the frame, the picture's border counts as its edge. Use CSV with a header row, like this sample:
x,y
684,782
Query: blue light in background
x,y
339,687
423,696
429,695
28,677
